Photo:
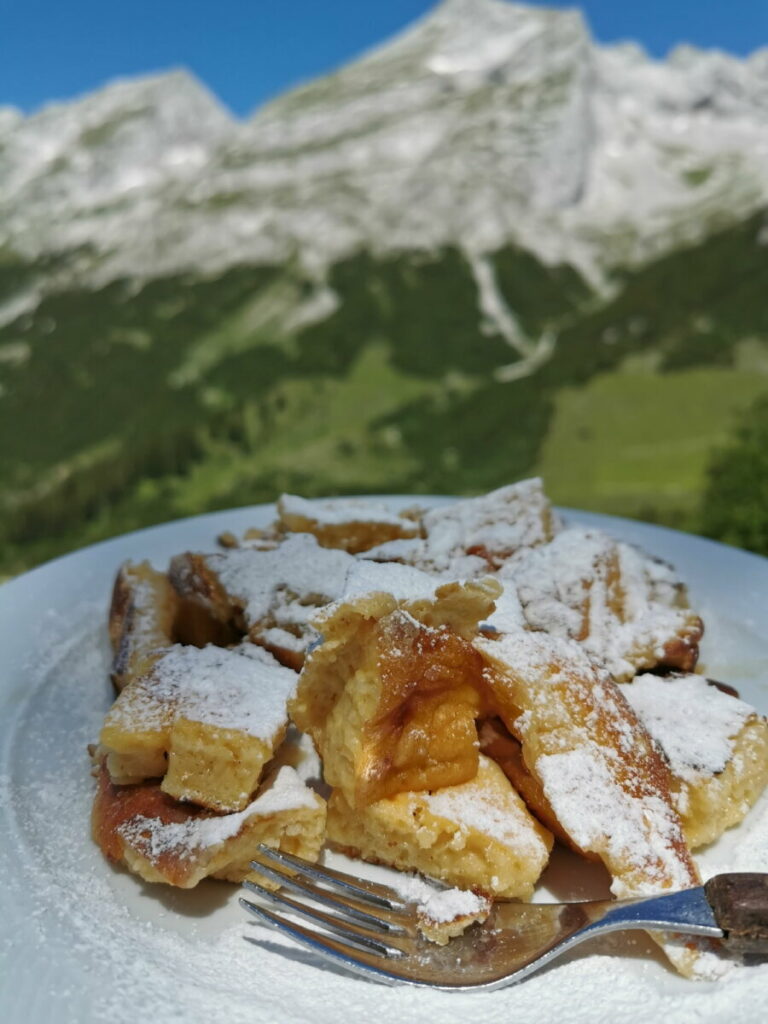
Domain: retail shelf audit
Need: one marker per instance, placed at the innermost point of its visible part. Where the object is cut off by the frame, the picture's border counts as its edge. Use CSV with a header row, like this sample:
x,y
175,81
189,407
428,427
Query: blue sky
x,y
249,50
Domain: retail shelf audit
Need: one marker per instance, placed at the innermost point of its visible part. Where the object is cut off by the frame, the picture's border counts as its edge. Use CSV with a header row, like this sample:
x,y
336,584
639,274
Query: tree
x,y
735,502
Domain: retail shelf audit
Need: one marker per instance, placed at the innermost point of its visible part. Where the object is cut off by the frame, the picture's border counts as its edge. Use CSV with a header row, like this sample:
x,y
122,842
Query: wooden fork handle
x,y
740,905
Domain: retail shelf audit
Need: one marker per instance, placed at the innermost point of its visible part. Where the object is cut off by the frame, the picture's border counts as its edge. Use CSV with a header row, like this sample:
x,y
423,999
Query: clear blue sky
x,y
249,50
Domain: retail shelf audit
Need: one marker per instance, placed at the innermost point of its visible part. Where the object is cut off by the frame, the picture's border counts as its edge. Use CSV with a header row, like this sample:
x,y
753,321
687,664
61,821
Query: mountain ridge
x,y
484,123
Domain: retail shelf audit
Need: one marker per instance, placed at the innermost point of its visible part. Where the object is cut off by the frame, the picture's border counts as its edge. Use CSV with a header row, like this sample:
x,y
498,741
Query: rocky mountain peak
x,y
78,174
485,122
497,40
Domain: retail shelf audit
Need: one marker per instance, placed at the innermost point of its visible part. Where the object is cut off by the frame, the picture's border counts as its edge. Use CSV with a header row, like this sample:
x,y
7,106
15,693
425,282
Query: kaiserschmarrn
x,y
479,680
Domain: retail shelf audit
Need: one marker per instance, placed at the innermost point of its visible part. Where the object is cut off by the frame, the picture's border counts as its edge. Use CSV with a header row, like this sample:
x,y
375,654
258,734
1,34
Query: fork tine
x,y
365,962
383,919
338,881
356,934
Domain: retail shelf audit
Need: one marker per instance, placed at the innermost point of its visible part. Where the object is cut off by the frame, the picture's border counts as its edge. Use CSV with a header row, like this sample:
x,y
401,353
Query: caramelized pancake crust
x,y
390,700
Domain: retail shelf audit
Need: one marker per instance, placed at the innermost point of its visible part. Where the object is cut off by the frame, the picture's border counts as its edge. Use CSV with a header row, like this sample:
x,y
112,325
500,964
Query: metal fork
x,y
371,929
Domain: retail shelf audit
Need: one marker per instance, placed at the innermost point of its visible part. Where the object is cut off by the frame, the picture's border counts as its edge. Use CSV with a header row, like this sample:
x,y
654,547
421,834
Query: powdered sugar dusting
x,y
282,638
496,524
619,603
508,615
154,837
472,808
144,599
599,814
279,582
339,511
441,905
215,686
403,582
533,654
592,759
694,723
403,549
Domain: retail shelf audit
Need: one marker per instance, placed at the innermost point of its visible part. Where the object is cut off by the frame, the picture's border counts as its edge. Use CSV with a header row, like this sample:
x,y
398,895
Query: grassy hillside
x,y
636,442
136,403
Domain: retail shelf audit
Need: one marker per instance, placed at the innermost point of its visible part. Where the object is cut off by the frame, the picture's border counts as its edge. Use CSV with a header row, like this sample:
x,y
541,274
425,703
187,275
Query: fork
x,y
371,929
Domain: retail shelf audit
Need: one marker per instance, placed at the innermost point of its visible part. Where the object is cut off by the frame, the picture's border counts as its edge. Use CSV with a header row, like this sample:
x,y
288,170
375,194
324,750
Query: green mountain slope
x,y
133,403
658,380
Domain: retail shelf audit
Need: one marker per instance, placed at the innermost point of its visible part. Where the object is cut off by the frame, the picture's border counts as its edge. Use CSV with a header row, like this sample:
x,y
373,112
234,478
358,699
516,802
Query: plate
x,y
83,942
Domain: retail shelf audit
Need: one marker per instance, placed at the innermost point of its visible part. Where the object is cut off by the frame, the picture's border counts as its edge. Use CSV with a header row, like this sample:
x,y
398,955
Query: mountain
x,y
488,247
484,123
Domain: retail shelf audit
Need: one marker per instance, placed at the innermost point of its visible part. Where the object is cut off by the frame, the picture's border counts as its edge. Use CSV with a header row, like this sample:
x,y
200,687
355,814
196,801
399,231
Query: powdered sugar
x,y
420,553
403,582
298,572
440,905
144,598
495,525
409,550
211,685
694,723
599,815
339,511
619,603
508,615
593,761
281,638
471,807
535,654
155,837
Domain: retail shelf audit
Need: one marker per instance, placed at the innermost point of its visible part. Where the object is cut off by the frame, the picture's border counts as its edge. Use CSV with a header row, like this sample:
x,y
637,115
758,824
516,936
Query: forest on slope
x,y
134,403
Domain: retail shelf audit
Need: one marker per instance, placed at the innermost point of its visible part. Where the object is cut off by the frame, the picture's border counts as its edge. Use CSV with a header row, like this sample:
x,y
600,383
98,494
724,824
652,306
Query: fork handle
x,y
740,905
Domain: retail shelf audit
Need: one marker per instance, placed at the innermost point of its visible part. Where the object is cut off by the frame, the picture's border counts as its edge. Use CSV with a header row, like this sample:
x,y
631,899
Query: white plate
x,y
82,942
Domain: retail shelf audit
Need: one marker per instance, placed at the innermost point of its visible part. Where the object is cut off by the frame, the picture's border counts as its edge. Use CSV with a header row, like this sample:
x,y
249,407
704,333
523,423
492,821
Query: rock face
x,y
485,123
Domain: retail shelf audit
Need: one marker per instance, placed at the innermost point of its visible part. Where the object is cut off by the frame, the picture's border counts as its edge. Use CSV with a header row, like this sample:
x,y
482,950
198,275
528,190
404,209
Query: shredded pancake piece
x,y
163,840
477,834
476,535
148,614
597,765
627,609
206,720
715,744
390,697
443,913
269,593
601,774
142,615
346,523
